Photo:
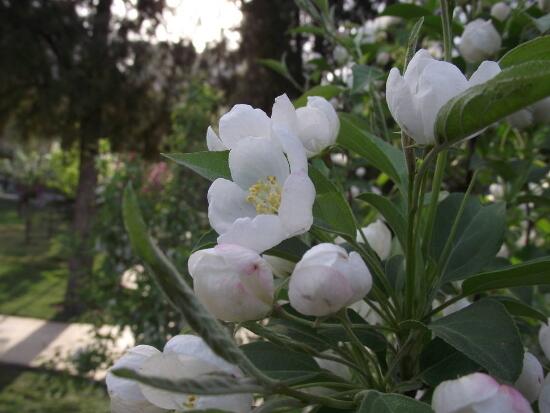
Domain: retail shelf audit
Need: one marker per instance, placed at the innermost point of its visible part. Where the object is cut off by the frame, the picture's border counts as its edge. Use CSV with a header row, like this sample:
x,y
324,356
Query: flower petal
x,y
544,398
324,105
486,71
253,159
453,395
213,142
283,114
259,233
226,203
243,121
293,149
530,380
296,209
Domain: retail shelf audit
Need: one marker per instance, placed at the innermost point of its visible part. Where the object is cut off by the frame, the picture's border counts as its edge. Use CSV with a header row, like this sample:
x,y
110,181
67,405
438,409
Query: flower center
x,y
191,401
265,195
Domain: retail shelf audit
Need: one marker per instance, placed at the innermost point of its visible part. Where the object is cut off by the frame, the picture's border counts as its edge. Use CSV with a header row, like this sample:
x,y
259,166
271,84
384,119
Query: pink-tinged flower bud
x,y
328,279
530,380
478,393
234,283
544,339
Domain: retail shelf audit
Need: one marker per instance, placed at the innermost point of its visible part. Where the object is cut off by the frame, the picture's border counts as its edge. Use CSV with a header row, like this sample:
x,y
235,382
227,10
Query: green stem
x,y
447,30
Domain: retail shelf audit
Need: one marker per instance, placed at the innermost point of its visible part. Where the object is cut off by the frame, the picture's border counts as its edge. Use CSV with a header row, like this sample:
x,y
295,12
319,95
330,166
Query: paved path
x,y
32,342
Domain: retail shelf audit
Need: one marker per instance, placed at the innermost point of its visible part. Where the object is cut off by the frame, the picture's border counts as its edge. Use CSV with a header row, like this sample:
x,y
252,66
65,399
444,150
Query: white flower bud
x,y
530,380
318,125
382,58
541,111
500,11
328,279
479,41
379,238
234,283
477,393
415,98
521,119
544,397
340,54
544,339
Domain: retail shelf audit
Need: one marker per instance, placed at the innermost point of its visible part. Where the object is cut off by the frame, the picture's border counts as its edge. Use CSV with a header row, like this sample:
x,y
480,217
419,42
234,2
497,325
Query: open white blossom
x,y
234,283
530,380
478,393
480,40
184,356
328,279
270,197
316,124
415,98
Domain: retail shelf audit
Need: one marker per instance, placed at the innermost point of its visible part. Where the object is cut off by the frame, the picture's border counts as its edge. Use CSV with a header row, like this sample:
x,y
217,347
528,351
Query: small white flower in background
x,y
360,172
459,305
544,5
234,283
279,266
541,111
500,11
379,238
340,54
521,119
478,393
129,279
530,380
340,159
544,397
270,197
415,98
354,191
366,312
328,279
382,58
316,124
544,339
479,41
184,356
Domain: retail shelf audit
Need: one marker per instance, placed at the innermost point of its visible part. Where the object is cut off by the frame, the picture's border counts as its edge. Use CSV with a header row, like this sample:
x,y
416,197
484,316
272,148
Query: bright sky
x,y
201,21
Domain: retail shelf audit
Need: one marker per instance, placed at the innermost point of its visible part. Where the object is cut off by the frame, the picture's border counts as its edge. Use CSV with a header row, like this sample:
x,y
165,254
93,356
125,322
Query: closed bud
x,y
478,393
544,397
328,279
500,11
379,238
479,41
544,339
530,380
234,283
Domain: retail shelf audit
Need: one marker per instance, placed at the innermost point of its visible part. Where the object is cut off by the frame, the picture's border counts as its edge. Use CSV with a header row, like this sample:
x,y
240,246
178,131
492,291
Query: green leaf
x,y
210,164
520,309
536,272
363,76
276,66
169,280
536,49
480,106
380,154
331,210
291,249
278,362
477,242
392,214
406,11
375,402
486,334
207,384
207,240
439,362
326,91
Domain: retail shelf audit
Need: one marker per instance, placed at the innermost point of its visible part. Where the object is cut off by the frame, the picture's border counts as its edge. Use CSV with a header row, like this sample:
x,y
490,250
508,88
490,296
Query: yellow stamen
x,y
190,402
265,195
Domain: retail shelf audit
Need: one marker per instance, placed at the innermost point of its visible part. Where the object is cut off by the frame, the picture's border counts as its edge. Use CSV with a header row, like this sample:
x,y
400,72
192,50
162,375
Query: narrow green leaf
x,y
380,154
480,106
326,91
375,402
394,217
486,334
536,49
536,272
331,210
363,76
276,66
278,362
520,309
291,249
171,283
207,240
413,41
210,164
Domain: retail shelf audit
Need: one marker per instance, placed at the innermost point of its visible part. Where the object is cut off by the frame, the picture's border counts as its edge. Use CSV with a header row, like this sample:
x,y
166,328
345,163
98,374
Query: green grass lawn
x,y
24,391
33,275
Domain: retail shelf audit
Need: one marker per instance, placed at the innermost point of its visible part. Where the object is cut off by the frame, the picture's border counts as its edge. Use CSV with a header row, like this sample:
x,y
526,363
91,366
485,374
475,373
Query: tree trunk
x,y
81,260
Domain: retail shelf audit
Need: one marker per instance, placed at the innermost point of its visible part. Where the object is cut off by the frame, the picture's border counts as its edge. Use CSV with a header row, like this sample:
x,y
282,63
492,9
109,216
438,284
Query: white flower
x,y
184,357
234,283
479,41
316,124
541,111
270,197
415,98
544,397
382,58
379,238
340,54
530,380
478,393
521,119
328,279
544,339
500,11
340,159
366,312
